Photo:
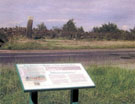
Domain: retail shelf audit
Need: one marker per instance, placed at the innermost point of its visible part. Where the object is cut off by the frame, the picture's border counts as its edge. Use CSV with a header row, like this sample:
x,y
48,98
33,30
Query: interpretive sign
x,y
36,77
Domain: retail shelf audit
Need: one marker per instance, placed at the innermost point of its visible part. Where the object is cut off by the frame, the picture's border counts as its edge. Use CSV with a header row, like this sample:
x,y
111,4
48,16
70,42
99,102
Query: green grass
x,y
22,46
22,43
113,86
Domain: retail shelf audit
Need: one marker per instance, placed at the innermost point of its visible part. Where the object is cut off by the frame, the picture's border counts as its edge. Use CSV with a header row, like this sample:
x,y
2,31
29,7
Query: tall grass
x,y
10,89
113,86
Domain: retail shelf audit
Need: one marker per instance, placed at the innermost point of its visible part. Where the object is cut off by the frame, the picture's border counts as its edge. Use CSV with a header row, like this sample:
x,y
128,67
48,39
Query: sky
x,y
55,13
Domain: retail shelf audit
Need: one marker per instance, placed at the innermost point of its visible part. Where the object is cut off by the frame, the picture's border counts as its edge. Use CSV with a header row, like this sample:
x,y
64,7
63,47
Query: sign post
x,y
33,98
74,96
44,77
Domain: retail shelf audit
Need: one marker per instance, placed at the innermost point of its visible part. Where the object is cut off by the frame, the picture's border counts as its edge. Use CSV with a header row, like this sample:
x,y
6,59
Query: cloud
x,y
125,27
57,20
86,13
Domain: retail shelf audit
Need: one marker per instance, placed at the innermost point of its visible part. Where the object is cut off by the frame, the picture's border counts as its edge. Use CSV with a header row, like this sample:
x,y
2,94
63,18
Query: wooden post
x,y
29,27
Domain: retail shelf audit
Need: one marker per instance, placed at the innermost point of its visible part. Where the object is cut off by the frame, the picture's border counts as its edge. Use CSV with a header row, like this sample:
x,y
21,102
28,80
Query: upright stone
x,y
29,27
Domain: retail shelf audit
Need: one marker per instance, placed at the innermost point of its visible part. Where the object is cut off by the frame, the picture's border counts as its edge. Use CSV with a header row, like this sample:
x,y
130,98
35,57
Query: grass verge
x,y
113,86
22,43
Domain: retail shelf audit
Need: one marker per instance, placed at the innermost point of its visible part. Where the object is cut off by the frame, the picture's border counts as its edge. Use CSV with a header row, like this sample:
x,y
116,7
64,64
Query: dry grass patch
x,y
82,44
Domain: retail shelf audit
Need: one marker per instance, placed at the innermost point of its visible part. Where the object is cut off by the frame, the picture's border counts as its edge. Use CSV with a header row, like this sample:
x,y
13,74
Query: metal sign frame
x,y
34,92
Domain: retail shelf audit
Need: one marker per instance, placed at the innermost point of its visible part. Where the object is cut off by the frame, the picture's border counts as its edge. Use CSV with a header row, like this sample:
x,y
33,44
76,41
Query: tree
x,y
132,30
107,31
57,31
80,32
41,26
110,27
41,31
70,29
3,38
69,26
96,29
132,33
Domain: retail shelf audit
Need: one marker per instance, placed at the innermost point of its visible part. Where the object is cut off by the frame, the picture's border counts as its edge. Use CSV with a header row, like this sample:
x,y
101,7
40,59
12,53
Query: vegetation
x,y
41,26
23,43
109,31
113,86
69,31
110,27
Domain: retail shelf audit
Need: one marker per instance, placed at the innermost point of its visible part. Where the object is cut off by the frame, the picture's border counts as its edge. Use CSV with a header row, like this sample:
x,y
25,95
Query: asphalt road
x,y
83,56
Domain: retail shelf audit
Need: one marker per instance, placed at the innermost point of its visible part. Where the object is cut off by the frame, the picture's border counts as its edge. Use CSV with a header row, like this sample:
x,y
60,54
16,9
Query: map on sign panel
x,y
53,76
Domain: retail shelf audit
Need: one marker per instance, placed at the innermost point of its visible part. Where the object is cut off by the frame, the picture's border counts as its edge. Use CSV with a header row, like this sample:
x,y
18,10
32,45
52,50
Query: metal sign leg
x,y
33,98
74,96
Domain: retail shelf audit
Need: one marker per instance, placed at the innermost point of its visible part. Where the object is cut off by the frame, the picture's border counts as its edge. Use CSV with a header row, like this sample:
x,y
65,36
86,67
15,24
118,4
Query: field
x,y
114,85
22,43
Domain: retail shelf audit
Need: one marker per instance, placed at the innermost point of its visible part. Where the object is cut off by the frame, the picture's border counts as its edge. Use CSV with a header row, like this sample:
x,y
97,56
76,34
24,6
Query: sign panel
x,y
53,76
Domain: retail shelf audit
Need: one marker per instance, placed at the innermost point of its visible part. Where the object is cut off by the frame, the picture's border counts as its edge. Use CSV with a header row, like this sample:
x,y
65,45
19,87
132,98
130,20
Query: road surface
x,y
80,56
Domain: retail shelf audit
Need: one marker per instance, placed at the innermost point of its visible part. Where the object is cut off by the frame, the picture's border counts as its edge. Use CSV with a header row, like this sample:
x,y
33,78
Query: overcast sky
x,y
86,13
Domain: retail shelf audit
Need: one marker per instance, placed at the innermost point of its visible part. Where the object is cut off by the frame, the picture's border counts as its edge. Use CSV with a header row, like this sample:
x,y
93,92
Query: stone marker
x,y
29,27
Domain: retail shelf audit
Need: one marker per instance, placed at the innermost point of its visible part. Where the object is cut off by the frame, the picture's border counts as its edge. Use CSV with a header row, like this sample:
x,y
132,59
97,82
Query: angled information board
x,y
36,77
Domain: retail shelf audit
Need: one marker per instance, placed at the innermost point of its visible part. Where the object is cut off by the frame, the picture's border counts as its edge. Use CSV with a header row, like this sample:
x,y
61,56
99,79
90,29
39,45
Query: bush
x,y
3,39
